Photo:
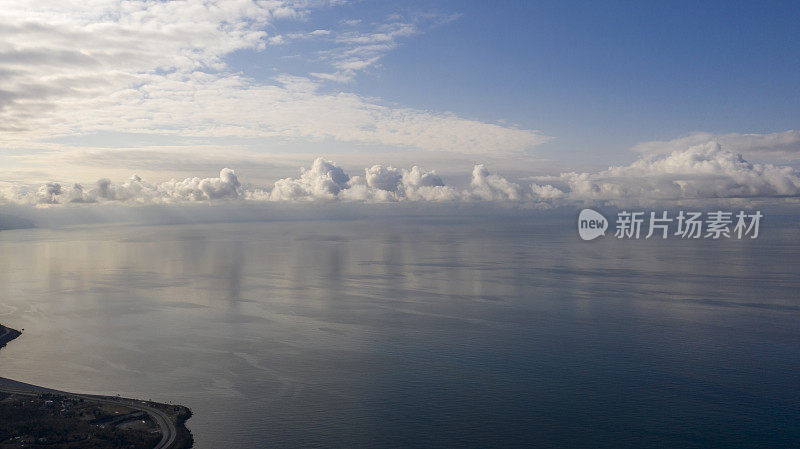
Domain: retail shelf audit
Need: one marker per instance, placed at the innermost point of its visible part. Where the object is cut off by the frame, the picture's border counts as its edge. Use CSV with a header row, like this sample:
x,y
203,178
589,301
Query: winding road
x,y
168,431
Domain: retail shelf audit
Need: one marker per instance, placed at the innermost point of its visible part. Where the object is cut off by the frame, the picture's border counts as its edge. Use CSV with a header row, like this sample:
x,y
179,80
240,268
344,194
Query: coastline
x,y
170,419
7,334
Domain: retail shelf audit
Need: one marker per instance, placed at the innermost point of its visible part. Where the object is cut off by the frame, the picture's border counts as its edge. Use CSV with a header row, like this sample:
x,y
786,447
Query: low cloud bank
x,y
701,172
137,190
776,146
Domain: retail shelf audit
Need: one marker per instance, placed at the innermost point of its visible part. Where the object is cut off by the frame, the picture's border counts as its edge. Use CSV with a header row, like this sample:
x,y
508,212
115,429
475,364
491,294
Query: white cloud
x,y
48,193
154,67
383,178
225,186
489,187
136,191
698,174
323,181
701,172
780,145
359,50
383,184
326,181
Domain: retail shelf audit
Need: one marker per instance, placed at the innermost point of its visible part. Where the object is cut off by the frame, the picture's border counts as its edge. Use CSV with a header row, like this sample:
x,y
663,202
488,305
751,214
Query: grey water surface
x,y
417,332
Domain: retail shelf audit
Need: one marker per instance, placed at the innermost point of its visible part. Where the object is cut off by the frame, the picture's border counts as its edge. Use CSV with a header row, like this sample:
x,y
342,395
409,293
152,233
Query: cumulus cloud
x,y
195,189
700,172
323,181
489,187
780,146
417,178
381,183
136,190
383,178
48,193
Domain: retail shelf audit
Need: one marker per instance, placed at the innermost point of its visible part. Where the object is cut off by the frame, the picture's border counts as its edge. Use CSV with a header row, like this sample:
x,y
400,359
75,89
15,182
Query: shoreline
x,y
7,334
170,419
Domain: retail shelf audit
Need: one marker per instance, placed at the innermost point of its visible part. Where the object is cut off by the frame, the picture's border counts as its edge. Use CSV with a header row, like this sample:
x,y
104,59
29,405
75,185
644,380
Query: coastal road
x,y
168,431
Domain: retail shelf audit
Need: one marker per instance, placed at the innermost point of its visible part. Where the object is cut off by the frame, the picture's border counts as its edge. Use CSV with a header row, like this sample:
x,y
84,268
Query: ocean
x,y
417,331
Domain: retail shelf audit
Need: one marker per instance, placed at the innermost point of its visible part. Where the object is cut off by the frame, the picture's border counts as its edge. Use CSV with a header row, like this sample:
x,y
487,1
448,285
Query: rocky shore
x,y
7,334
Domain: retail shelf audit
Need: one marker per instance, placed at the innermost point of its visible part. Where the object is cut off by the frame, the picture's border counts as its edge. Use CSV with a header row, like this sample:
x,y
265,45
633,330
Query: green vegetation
x,y
47,420
31,418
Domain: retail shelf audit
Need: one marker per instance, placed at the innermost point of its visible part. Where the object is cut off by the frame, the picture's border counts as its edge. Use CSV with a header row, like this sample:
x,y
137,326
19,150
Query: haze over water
x,y
417,332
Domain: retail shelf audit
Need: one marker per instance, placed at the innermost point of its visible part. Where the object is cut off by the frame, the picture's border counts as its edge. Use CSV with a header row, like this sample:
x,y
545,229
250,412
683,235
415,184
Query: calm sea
x,y
445,332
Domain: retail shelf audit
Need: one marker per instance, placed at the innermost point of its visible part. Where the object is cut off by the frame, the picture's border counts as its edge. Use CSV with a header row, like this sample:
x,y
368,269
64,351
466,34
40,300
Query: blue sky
x,y
577,96
599,76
